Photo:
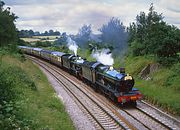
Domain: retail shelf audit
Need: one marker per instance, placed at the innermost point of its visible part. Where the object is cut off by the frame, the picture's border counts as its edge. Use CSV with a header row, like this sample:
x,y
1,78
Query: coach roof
x,y
57,53
37,49
46,51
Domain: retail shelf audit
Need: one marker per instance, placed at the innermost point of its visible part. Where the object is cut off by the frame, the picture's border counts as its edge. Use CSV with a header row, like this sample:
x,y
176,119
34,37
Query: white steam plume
x,y
72,45
103,56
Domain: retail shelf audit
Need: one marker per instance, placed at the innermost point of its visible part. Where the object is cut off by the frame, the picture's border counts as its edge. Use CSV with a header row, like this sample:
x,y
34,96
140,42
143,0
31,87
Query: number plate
x,y
133,98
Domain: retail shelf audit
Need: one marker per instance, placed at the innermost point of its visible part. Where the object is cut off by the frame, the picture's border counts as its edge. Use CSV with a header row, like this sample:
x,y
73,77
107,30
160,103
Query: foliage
x,y
151,35
8,34
83,36
22,42
12,79
62,48
42,44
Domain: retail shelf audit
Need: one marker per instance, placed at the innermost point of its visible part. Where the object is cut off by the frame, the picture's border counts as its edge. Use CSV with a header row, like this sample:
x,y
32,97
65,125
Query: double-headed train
x,y
118,86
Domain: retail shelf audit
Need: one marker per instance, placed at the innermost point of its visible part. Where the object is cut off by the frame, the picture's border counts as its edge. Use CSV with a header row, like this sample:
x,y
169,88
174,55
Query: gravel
x,y
80,120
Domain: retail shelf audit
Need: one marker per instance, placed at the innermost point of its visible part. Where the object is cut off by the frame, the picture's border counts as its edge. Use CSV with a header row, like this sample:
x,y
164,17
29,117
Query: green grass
x,y
164,87
34,39
39,106
30,39
86,54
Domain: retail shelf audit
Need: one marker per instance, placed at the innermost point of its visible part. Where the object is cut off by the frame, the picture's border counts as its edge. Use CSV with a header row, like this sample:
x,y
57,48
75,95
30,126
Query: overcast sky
x,y
69,15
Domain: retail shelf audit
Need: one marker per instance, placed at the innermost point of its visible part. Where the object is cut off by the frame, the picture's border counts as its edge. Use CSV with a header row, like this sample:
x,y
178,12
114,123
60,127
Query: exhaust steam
x,y
103,56
72,45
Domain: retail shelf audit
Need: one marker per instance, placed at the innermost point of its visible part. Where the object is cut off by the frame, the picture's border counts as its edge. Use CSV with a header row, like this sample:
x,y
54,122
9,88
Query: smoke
x,y
103,56
72,45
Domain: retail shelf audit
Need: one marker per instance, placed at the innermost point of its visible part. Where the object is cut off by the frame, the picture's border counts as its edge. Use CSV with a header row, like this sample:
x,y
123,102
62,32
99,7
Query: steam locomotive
x,y
118,86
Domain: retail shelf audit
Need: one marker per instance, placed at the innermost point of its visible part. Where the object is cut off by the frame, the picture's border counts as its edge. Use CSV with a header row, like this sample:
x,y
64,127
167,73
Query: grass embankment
x,y
27,99
164,87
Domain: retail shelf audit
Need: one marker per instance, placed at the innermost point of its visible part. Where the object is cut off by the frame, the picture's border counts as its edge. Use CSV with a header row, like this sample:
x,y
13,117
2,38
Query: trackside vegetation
x,y
27,100
163,88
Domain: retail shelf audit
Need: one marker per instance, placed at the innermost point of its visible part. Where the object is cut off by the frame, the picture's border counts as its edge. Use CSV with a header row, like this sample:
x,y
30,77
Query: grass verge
x,y
30,102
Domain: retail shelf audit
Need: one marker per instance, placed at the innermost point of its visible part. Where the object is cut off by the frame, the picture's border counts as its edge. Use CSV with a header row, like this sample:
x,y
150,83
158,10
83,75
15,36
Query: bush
x,y
13,79
167,61
42,44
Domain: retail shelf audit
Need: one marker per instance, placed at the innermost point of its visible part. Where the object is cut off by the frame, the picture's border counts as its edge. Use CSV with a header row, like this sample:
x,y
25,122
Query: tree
x,y
169,46
27,33
142,31
57,33
114,33
46,33
31,33
83,35
85,31
151,35
51,32
37,33
62,40
8,32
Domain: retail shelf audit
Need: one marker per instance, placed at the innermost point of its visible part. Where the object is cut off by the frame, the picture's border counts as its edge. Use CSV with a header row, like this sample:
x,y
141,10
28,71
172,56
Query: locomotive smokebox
x,y
122,70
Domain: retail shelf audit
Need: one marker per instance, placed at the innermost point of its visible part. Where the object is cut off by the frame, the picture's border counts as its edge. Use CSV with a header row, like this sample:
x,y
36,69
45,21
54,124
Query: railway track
x,y
158,115
103,118
109,115
146,120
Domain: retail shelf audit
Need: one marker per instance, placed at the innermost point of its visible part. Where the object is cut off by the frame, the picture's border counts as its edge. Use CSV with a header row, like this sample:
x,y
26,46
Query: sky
x,y
70,15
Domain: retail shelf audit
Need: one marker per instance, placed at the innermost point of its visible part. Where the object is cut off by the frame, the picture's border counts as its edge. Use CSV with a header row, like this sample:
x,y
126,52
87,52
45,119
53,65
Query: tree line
x,y
30,33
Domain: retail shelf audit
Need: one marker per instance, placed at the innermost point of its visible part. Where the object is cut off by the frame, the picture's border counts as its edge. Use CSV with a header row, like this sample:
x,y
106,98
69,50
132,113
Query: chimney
x,y
122,70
